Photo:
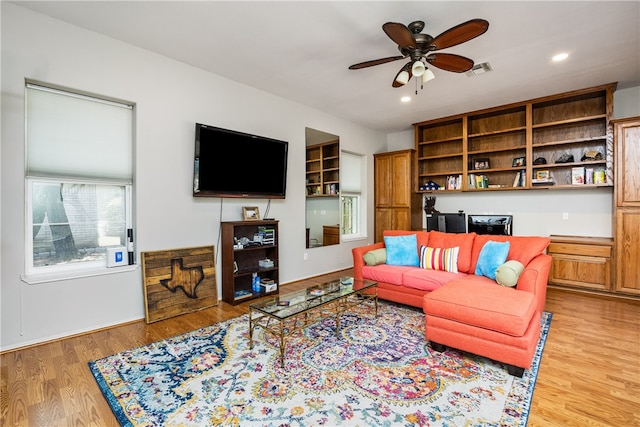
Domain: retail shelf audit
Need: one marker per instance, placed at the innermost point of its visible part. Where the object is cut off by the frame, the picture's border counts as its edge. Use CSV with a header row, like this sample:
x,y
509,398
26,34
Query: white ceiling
x,y
301,50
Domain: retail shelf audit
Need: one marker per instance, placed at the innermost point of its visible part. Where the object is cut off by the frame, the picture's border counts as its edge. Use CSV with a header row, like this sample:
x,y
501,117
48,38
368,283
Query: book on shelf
x,y
577,175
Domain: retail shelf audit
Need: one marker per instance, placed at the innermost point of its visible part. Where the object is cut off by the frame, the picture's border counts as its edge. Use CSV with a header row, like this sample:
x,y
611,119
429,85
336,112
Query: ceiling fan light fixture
x,y
427,75
403,77
418,68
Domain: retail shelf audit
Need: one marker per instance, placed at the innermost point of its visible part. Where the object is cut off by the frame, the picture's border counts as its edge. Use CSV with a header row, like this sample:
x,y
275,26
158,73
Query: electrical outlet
x,y
305,256
565,215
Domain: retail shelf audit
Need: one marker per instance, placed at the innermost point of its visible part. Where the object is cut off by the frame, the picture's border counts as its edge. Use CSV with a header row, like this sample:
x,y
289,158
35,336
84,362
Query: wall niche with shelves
x,y
323,169
495,149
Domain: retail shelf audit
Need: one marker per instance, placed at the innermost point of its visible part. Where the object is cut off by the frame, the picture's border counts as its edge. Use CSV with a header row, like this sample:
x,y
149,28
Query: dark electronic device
x,y
447,222
235,164
491,224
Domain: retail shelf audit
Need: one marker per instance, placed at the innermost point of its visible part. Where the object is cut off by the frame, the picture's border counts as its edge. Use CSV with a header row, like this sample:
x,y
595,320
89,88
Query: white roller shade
x,y
351,172
71,135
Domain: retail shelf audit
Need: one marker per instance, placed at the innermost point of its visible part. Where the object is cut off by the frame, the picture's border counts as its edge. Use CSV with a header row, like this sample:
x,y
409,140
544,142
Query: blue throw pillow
x,y
402,250
492,255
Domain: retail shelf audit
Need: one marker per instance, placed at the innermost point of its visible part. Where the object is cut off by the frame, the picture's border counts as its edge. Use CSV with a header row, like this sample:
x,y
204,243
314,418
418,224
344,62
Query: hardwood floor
x,y
589,374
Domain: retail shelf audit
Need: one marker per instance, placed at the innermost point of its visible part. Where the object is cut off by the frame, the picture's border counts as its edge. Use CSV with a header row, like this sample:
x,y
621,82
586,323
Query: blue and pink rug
x,y
381,372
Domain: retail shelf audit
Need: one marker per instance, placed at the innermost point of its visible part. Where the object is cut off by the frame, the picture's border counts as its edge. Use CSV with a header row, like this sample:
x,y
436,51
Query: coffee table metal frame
x,y
284,314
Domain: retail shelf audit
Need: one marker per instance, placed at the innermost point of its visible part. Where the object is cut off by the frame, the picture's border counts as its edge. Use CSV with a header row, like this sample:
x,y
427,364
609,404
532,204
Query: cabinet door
x,y
401,187
383,170
627,250
628,163
383,221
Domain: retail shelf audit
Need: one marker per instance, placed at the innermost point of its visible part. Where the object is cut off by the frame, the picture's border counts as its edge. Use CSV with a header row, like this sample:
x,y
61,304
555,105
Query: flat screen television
x,y
228,163
447,222
490,224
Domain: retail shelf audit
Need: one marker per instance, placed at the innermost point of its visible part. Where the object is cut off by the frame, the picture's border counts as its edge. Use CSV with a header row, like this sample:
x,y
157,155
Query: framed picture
x,y
250,213
481,163
518,161
542,174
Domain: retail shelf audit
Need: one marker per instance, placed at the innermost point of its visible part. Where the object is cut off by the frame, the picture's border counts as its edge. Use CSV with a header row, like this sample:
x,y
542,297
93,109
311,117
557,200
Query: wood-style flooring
x,y
589,374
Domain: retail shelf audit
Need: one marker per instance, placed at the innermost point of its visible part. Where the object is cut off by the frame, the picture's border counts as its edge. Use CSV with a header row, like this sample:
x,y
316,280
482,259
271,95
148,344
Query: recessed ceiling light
x,y
560,57
405,99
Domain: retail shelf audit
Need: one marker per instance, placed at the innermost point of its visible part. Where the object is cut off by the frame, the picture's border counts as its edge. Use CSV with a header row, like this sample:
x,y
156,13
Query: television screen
x,y
447,222
235,164
491,224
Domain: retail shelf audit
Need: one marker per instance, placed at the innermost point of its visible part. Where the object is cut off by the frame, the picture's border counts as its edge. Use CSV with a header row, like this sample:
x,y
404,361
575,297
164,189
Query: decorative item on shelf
x,y
430,205
519,162
542,174
565,158
481,163
265,263
540,161
577,176
592,155
430,185
250,213
542,177
599,177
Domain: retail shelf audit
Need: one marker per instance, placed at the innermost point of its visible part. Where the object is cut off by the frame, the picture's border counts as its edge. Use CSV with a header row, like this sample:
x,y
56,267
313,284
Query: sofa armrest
x,y
358,257
534,279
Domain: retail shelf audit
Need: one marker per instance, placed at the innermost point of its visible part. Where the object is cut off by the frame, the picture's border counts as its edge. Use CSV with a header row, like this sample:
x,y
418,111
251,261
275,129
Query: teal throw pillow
x,y
402,250
492,255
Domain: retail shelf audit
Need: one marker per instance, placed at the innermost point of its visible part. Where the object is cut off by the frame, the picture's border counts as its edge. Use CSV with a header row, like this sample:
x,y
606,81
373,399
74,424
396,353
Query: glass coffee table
x,y
289,312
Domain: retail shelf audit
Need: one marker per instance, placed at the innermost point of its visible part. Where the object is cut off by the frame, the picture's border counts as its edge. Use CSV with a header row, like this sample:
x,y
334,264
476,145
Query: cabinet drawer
x,y
580,249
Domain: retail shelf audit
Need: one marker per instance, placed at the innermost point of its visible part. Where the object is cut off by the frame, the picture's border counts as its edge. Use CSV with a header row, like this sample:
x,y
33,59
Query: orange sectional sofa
x,y
467,311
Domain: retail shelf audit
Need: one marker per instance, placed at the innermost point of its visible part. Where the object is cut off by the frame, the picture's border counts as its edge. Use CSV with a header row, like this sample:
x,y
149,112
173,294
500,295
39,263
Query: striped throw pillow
x,y
445,259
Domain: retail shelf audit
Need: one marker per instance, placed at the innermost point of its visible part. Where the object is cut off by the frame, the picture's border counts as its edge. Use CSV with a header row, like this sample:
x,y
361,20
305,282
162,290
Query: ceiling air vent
x,y
479,69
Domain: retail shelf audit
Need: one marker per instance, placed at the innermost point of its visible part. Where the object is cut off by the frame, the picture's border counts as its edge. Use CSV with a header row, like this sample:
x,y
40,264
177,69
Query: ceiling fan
x,y
418,47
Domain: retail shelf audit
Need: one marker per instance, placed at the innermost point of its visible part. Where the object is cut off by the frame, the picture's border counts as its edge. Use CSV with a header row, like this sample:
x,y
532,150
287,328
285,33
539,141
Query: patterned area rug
x,y
380,372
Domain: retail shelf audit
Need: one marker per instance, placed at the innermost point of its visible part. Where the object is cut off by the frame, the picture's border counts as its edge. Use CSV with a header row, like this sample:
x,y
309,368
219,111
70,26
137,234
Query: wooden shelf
x,y
236,285
323,170
570,123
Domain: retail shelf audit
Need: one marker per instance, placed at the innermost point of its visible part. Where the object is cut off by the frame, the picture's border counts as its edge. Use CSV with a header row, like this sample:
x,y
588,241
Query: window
x,y
79,179
352,170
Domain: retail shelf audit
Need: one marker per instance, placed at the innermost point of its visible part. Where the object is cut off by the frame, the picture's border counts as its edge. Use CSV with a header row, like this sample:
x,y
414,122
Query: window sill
x,y
36,279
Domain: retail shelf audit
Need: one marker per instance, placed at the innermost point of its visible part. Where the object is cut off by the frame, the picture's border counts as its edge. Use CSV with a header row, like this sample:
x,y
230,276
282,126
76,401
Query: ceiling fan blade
x,y
407,68
450,62
374,62
460,34
400,34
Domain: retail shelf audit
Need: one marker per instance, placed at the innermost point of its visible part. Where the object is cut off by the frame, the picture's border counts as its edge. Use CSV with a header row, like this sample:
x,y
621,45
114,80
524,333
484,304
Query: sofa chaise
x,y
455,279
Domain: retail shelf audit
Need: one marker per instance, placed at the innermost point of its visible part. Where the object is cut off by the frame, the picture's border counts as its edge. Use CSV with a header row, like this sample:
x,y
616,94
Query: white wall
x,y
170,98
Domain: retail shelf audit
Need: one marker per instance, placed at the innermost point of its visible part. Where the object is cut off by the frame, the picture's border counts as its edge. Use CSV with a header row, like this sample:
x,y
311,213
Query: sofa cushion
x,y
483,304
464,241
375,257
402,250
392,274
422,236
439,258
428,280
492,256
521,248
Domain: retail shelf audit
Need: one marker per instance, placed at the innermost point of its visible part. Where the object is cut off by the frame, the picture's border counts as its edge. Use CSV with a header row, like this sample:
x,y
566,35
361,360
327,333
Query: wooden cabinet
x,y
627,205
582,262
495,149
397,205
240,263
330,235
323,169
